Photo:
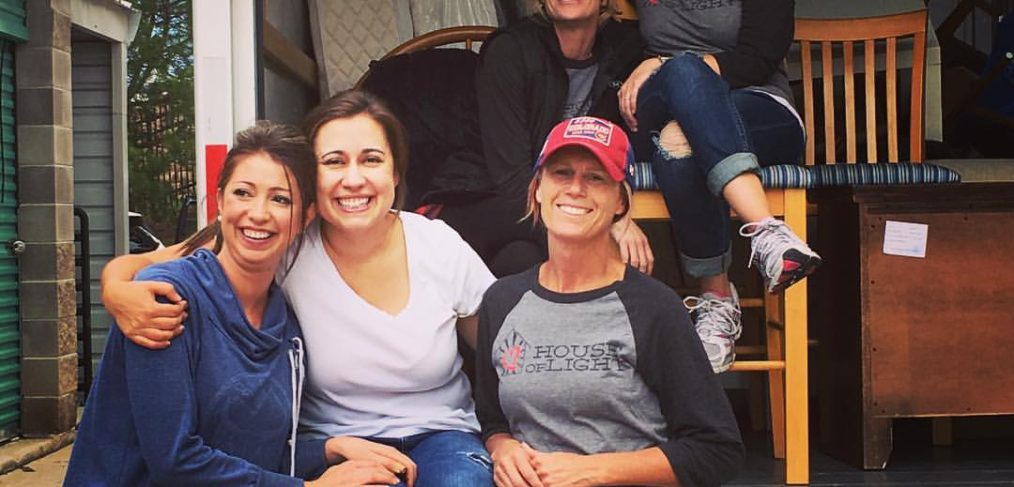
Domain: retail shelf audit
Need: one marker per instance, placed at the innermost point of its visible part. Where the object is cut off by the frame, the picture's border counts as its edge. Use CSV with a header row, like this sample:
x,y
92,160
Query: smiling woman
x,y
217,406
256,215
588,371
382,331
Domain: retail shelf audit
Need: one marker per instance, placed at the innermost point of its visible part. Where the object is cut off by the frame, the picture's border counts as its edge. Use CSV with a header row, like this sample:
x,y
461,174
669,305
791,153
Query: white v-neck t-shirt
x,y
374,374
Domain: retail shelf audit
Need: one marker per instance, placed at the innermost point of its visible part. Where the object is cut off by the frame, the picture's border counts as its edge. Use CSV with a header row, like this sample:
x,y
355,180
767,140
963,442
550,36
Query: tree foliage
x,y
160,96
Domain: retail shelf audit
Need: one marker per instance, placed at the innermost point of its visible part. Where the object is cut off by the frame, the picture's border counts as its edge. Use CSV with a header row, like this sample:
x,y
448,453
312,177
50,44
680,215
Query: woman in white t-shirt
x,y
381,295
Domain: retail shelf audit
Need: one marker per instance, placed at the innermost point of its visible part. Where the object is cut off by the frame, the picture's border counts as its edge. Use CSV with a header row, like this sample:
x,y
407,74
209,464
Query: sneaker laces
x,y
715,317
775,242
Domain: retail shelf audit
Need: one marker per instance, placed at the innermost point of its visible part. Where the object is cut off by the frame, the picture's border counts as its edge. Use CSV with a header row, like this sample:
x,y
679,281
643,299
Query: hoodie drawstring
x,y
298,374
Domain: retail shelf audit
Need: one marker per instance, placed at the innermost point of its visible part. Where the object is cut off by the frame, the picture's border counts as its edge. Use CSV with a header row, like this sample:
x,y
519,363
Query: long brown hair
x,y
285,145
350,103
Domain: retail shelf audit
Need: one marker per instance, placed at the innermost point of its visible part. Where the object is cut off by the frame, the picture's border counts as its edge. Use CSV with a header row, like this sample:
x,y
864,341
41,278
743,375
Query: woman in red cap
x,y
588,371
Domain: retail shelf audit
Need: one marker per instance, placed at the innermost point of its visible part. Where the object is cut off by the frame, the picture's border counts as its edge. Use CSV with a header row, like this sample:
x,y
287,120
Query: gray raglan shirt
x,y
614,369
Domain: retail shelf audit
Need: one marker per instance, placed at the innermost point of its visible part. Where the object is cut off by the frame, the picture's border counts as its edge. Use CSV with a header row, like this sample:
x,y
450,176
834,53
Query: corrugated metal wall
x,y
12,19
12,29
91,74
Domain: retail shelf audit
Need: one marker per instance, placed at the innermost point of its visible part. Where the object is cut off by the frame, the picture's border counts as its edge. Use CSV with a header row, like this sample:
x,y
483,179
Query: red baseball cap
x,y
603,138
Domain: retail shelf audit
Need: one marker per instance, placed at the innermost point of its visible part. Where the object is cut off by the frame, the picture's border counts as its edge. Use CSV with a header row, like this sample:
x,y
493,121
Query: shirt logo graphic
x,y
511,354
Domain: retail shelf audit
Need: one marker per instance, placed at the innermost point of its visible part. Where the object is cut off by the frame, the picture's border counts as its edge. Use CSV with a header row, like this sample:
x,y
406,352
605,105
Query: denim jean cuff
x,y
727,169
708,266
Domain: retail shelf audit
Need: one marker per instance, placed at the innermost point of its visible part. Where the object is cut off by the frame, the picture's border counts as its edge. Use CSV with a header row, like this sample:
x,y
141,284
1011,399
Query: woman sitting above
x,y
588,371
715,91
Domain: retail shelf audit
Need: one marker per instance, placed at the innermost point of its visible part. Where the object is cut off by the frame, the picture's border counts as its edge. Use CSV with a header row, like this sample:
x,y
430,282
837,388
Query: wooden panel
x,y
757,365
807,79
939,328
282,52
927,341
918,127
892,99
850,102
797,430
880,27
827,61
870,57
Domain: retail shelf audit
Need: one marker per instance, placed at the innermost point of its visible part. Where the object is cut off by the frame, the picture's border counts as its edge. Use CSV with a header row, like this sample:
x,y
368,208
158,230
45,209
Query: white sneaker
x,y
781,257
717,321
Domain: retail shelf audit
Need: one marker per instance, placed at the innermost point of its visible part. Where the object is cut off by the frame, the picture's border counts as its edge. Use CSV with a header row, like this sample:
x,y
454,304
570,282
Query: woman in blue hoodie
x,y
218,406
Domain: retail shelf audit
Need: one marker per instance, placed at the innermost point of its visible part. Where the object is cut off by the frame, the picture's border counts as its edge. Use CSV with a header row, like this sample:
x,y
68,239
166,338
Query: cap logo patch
x,y
589,128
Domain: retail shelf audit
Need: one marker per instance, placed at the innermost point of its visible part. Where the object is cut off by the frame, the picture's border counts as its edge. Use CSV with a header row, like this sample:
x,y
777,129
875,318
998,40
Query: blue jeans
x,y
730,132
446,458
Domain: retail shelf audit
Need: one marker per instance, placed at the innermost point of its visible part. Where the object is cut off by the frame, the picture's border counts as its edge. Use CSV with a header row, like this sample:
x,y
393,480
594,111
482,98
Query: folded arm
x,y
135,305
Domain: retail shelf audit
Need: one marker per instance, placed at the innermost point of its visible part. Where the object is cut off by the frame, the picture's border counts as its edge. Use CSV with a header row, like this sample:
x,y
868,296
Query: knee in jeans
x,y
684,68
673,142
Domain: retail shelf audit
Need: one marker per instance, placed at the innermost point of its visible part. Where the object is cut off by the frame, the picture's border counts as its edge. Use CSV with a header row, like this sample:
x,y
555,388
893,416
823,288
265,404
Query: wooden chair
x,y
785,354
812,33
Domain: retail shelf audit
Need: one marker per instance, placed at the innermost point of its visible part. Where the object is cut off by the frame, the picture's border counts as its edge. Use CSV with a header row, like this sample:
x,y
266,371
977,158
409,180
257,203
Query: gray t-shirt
x,y
581,76
613,369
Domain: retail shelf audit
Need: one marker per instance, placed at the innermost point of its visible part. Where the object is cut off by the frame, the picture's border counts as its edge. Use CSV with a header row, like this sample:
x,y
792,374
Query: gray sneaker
x,y
781,257
717,321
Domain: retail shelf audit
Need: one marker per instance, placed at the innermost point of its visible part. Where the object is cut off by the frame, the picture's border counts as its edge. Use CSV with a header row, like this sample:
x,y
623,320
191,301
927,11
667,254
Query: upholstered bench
x,y
836,175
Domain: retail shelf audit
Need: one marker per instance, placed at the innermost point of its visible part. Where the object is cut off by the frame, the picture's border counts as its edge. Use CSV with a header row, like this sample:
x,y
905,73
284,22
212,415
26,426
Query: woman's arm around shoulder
x,y
134,305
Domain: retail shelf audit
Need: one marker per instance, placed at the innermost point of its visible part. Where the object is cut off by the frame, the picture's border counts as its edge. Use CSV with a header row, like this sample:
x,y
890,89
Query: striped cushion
x,y
644,177
793,176
881,174
782,176
786,176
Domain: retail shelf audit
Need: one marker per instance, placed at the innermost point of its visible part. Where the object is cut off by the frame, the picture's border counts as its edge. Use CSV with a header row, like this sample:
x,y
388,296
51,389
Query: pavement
x,y
47,471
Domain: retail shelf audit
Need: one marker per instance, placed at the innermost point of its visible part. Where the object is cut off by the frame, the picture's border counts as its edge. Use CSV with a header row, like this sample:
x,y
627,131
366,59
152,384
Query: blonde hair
x,y
533,207
607,8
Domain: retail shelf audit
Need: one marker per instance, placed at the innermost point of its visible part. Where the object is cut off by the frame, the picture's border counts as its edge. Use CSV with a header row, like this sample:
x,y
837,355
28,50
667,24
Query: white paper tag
x,y
905,239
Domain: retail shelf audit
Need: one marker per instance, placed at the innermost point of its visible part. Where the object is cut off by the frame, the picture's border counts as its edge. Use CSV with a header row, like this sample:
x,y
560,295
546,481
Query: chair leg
x,y
776,378
797,439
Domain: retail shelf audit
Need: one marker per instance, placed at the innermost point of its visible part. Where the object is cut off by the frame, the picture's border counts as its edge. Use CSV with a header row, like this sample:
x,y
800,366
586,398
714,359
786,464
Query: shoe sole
x,y
805,269
723,367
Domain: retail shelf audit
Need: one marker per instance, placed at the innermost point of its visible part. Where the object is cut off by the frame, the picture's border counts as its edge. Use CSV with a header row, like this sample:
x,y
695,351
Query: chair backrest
x,y
432,92
823,36
467,34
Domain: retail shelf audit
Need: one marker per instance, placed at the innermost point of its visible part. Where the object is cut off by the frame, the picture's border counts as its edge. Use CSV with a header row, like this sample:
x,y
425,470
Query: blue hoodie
x,y
214,408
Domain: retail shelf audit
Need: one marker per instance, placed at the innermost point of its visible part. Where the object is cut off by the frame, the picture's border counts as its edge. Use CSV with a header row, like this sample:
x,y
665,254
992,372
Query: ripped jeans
x,y
446,458
730,131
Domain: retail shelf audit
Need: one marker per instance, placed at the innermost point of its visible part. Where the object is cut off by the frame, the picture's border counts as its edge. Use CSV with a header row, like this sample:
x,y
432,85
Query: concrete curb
x,y
21,452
